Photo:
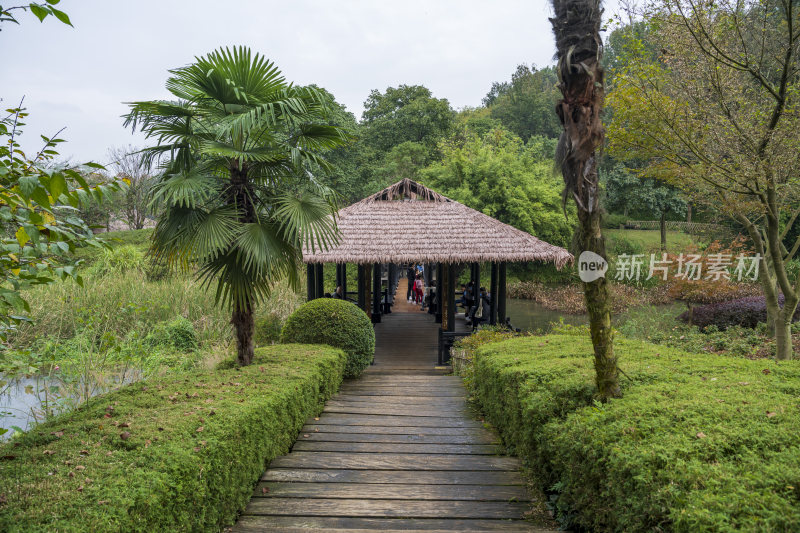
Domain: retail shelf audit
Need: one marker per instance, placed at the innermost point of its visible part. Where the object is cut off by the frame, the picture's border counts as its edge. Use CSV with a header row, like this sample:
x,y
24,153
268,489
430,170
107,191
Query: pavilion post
x,y
439,291
368,290
449,297
376,293
390,285
493,294
362,288
320,279
338,274
343,281
501,293
311,284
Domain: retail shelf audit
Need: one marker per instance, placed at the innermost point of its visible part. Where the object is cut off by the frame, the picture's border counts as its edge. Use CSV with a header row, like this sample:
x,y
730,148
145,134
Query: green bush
x,y
118,260
178,333
698,442
622,246
337,323
614,221
463,351
267,329
177,453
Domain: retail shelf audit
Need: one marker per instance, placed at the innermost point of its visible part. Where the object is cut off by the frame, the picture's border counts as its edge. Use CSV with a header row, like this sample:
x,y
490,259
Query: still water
x,y
25,401
528,315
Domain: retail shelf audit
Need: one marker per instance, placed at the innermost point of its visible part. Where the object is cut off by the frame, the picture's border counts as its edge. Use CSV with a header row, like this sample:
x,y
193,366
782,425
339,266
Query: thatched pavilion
x,y
409,223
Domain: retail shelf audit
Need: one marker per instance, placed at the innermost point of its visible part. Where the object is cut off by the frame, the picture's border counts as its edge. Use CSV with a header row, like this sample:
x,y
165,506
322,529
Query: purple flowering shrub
x,y
745,312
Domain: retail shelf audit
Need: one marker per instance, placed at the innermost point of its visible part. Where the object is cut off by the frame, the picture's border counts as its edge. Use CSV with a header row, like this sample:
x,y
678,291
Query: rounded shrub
x,y
178,333
337,323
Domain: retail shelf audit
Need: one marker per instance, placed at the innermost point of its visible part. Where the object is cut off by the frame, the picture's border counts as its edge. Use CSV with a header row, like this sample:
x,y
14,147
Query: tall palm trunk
x,y
578,46
242,318
244,325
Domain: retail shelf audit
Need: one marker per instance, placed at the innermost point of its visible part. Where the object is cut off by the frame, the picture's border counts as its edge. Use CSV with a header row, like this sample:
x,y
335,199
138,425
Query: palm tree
x,y
237,198
579,48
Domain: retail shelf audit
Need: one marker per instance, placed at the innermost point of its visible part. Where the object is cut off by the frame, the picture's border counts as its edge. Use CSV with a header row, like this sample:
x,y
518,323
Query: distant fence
x,y
678,225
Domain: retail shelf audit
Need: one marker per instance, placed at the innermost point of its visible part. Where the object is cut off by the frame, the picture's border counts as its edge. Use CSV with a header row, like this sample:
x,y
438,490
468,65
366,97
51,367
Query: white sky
x,y
120,51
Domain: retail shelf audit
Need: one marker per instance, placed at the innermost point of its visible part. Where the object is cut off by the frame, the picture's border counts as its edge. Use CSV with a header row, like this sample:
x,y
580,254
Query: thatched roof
x,y
408,222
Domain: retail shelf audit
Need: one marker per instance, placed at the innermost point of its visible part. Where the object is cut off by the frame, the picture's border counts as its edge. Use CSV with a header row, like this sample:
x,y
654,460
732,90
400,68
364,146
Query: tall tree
x,y
648,197
579,49
497,175
525,105
238,199
130,165
717,114
406,113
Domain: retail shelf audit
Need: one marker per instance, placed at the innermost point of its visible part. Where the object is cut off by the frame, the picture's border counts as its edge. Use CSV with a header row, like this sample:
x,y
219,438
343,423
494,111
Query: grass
x,y
127,320
121,303
698,442
177,453
650,240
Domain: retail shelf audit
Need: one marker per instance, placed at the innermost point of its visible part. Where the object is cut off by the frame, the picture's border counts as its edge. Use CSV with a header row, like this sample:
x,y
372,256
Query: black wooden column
x,y
320,279
311,285
391,286
368,290
338,275
362,288
493,293
449,294
501,294
343,283
376,293
439,292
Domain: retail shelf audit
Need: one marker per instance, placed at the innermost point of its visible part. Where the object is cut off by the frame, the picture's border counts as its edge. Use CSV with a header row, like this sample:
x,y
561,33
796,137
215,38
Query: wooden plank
x,y
377,391
343,419
302,524
325,475
400,400
435,392
393,461
396,491
384,409
389,384
380,447
316,427
415,378
385,508
421,439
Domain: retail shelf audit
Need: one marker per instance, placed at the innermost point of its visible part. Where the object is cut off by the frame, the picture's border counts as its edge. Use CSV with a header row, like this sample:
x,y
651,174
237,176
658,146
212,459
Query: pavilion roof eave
x,y
408,222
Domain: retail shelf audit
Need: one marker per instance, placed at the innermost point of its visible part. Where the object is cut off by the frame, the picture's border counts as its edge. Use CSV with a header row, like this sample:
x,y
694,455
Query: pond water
x,y
24,401
528,315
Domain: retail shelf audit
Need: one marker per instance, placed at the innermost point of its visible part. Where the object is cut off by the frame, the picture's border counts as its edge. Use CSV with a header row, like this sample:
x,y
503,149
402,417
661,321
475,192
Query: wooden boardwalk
x,y
397,450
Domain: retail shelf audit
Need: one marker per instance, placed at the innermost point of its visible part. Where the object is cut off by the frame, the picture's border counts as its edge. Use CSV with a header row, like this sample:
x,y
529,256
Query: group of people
x,y
416,284
477,304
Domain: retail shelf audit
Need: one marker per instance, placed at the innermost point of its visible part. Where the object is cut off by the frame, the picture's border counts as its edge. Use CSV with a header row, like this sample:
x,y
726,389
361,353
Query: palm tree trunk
x,y
576,26
242,319
243,326
598,305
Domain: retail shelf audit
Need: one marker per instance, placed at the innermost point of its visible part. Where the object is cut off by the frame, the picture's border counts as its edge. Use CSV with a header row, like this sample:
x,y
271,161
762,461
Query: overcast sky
x,y
120,51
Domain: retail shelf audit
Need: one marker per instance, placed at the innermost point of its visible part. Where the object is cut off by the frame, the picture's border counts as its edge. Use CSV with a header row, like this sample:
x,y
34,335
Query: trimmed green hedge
x,y
337,323
179,453
698,442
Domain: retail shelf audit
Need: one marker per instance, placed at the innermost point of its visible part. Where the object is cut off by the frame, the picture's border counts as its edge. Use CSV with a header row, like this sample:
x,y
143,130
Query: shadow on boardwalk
x,y
396,450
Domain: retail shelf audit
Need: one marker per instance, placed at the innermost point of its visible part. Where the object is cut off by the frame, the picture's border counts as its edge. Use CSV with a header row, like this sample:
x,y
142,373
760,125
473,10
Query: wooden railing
x,y
678,225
